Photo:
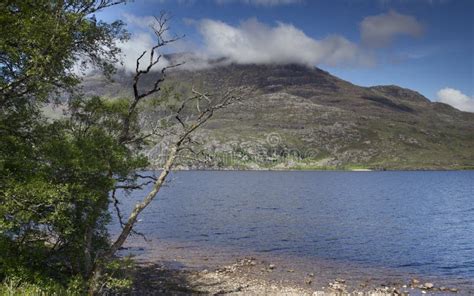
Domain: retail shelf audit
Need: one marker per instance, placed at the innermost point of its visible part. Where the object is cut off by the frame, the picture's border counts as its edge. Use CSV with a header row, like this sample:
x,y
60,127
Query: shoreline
x,y
254,277
174,269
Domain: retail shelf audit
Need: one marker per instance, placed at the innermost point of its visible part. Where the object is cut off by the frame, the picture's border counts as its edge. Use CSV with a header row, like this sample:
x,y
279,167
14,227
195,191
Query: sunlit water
x,y
406,222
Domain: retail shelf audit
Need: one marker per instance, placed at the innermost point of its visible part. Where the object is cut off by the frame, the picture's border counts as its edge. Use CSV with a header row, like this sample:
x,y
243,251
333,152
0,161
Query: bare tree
x,y
203,106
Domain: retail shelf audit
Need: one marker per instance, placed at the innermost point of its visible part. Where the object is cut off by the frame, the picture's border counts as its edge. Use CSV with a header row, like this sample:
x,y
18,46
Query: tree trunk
x,y
94,288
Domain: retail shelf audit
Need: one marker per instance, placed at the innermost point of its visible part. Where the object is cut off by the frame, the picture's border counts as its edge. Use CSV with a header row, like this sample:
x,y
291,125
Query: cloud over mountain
x,y
256,42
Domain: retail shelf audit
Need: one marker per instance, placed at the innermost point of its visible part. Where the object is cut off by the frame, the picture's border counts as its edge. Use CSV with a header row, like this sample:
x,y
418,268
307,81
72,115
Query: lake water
x,y
401,222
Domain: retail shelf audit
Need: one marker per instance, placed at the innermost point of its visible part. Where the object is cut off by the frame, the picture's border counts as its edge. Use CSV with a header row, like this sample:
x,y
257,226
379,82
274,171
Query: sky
x,y
424,45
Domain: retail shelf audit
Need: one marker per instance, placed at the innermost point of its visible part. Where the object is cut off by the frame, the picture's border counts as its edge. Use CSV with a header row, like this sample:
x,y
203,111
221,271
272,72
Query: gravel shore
x,y
249,276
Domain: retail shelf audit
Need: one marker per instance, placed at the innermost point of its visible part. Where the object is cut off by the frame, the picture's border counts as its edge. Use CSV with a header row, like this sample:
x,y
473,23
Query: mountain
x,y
305,118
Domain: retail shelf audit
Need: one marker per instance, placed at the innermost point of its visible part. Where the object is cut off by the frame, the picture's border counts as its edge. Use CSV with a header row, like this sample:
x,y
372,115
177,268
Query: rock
x,y
311,274
428,286
271,266
337,286
442,288
454,290
415,281
423,292
340,281
291,270
308,281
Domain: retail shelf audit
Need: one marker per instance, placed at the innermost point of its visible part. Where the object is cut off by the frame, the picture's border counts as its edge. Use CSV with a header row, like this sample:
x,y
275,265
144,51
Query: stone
x,y
415,281
428,285
271,266
453,290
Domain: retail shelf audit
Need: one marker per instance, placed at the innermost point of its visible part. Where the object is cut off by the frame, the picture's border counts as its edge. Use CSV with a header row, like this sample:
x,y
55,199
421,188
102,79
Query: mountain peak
x,y
340,123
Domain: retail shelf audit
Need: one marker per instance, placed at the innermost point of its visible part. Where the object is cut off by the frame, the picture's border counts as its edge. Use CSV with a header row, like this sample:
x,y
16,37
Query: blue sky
x,y
425,45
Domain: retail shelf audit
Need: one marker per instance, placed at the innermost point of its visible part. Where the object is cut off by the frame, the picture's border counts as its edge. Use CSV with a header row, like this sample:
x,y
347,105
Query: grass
x,y
14,288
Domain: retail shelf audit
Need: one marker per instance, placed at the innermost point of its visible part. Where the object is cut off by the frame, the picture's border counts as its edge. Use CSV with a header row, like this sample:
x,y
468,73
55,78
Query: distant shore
x,y
327,169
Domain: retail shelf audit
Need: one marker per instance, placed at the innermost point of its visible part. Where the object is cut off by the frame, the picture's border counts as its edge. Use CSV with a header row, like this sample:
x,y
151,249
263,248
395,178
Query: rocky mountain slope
x,y
305,118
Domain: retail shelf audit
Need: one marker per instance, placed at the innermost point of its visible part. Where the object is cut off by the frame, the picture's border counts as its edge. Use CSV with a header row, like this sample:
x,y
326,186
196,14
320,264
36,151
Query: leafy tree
x,y
55,176
59,177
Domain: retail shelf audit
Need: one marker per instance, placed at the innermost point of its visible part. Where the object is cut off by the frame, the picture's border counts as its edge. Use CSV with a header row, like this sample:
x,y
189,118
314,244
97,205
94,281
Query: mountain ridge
x,y
326,121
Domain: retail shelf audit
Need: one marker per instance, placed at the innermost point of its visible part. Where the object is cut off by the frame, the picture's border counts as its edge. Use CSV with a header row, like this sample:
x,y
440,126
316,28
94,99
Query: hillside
x,y
306,118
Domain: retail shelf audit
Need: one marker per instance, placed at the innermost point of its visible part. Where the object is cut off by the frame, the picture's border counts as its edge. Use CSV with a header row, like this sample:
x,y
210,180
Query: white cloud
x,y
142,22
261,2
143,39
134,47
255,42
456,99
380,30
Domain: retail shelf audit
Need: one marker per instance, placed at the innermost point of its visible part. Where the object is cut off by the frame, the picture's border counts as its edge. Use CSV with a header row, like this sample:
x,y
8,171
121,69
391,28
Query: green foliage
x,y
56,176
42,40
55,217
117,277
13,287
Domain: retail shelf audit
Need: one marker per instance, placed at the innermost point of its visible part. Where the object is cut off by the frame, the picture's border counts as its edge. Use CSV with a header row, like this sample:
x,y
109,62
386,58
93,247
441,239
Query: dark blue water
x,y
418,221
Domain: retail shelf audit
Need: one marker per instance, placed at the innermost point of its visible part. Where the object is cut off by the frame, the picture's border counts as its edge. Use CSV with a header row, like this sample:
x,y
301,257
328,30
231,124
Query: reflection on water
x,y
419,222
